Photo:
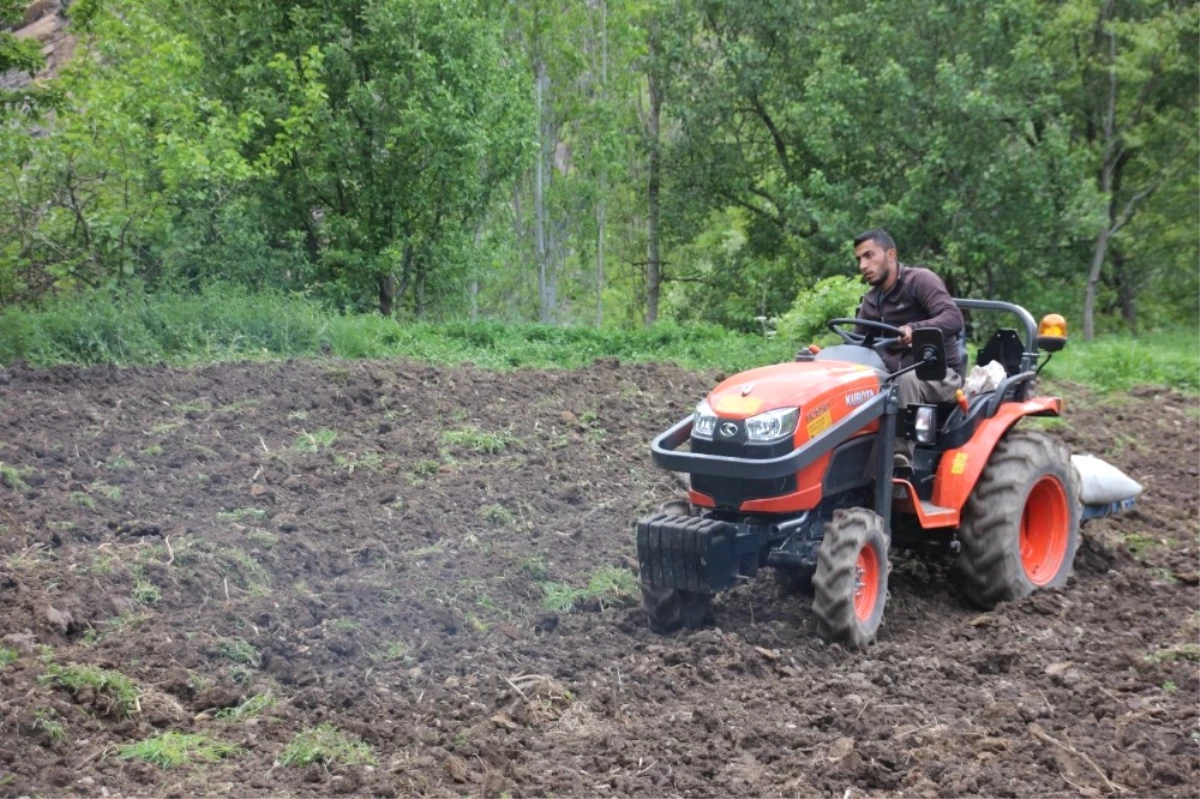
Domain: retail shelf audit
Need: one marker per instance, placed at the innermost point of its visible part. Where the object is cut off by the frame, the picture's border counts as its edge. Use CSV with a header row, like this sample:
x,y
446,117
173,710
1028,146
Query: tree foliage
x,y
612,161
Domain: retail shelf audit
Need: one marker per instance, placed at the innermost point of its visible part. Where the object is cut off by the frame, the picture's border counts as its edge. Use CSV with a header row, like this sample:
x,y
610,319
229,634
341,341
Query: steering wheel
x,y
871,339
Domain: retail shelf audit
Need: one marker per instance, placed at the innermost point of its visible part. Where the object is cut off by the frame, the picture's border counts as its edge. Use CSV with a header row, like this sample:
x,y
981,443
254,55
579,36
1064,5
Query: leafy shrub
x,y
832,297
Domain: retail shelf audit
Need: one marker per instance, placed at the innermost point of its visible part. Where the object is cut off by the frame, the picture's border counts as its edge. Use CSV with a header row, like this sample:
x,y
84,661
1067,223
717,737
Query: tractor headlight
x,y
704,421
772,424
924,425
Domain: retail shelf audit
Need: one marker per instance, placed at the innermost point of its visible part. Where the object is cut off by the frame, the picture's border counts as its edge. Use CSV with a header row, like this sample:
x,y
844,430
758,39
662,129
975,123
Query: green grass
x,y
614,585
239,565
249,709
425,467
1117,363
315,442
611,585
239,651
146,592
396,650
226,323
8,655
46,720
326,744
496,515
175,749
241,514
11,477
115,687
480,441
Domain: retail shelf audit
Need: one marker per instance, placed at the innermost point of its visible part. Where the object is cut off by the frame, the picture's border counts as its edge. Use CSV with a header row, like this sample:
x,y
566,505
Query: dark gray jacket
x,y
918,299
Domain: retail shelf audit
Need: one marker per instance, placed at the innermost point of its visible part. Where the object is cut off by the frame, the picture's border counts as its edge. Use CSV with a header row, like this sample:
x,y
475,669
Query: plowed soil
x,y
376,546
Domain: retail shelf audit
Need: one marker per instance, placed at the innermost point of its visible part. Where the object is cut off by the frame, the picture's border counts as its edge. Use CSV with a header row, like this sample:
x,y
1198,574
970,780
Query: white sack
x,y
1101,483
984,378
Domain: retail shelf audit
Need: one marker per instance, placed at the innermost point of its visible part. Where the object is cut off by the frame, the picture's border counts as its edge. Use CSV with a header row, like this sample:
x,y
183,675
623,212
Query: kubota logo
x,y
859,397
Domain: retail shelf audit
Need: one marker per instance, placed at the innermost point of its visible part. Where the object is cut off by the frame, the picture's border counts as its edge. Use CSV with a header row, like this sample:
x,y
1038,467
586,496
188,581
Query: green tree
x,y
938,121
92,188
415,120
1129,72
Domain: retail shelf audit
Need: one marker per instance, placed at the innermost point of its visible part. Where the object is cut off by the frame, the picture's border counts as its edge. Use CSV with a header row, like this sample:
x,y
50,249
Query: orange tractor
x,y
791,467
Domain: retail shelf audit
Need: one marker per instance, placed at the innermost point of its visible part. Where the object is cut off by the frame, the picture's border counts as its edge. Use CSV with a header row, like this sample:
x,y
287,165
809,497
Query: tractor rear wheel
x,y
850,583
1020,526
670,609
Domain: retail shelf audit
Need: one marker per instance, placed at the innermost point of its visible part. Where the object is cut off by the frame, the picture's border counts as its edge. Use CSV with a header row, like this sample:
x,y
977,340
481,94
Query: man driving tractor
x,y
908,298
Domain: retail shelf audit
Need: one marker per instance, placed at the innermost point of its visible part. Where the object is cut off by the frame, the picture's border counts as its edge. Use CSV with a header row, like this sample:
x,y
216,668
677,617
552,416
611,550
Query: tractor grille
x,y
731,492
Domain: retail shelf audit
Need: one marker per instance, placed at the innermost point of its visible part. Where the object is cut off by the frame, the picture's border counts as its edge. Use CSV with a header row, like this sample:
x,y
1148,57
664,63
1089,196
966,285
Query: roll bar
x,y
1030,355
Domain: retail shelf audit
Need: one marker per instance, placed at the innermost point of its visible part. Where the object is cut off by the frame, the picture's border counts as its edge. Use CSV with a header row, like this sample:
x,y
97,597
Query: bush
x,y
804,322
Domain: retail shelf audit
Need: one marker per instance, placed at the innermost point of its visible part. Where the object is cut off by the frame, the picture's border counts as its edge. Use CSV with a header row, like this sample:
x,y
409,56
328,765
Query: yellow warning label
x,y
819,422
737,406
959,464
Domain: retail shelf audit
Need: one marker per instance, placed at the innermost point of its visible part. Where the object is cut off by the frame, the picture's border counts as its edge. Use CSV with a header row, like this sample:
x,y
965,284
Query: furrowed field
x,y
405,577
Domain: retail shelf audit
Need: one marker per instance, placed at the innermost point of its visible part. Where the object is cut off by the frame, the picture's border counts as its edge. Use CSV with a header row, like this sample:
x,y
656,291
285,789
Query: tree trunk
x,y
653,265
1109,147
1089,296
1126,290
539,199
473,290
387,294
601,206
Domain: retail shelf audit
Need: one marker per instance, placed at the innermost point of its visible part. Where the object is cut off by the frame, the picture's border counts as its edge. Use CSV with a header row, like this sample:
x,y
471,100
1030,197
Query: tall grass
x,y
1119,362
225,323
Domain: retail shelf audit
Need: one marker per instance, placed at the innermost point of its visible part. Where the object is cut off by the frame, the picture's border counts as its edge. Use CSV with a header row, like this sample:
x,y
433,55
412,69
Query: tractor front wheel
x,y
1020,526
850,584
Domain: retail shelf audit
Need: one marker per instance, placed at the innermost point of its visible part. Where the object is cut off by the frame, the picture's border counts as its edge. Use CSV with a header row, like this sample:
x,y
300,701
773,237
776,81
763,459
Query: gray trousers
x,y
911,390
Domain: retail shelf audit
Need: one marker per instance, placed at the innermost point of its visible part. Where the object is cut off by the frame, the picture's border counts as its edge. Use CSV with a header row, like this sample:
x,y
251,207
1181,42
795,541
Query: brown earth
x,y
197,531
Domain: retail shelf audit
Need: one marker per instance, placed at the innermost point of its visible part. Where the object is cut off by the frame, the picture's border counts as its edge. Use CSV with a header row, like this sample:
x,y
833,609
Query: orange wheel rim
x,y
1045,528
866,582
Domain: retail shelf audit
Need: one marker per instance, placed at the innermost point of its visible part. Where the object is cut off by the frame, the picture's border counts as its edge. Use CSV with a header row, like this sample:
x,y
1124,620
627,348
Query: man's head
x,y
876,254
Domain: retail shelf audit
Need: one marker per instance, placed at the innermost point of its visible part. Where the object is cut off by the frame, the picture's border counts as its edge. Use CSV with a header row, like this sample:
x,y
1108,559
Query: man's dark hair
x,y
877,235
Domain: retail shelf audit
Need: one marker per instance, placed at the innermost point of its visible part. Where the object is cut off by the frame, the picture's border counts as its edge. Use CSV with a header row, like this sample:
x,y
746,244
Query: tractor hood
x,y
832,387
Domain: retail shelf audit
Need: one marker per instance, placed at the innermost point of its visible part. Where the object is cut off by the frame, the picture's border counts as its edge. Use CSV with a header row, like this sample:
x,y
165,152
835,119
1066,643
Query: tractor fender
x,y
960,468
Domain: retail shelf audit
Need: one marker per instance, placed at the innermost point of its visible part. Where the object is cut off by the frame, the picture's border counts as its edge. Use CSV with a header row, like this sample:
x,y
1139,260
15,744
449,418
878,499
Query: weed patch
x,y
240,514
113,692
609,585
326,744
248,709
315,442
497,515
11,477
239,651
175,749
46,720
479,441
425,468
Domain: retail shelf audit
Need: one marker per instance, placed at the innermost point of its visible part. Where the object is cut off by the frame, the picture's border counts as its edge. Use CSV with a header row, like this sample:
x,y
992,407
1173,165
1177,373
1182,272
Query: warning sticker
x,y
736,406
818,420
959,464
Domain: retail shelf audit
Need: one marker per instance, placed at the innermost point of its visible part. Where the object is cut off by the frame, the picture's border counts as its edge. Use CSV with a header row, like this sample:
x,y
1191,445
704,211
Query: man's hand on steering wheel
x,y
872,340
